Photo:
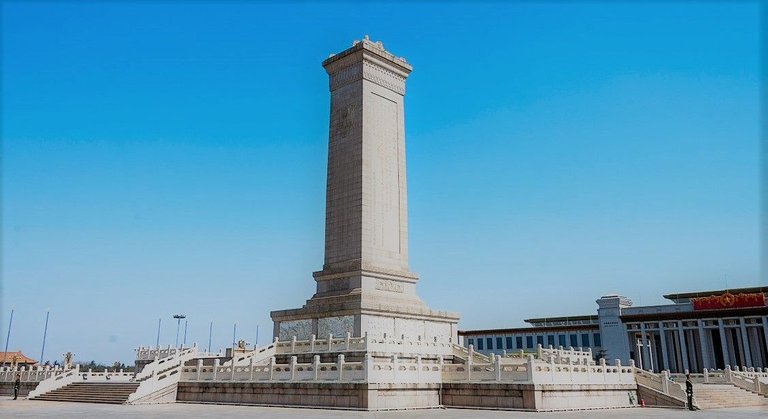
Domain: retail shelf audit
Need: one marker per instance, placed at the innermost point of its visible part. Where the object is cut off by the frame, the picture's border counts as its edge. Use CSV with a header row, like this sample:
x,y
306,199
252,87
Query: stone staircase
x,y
716,396
110,393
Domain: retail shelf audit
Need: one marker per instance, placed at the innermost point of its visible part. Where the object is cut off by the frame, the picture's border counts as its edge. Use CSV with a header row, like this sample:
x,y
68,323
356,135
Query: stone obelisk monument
x,y
365,285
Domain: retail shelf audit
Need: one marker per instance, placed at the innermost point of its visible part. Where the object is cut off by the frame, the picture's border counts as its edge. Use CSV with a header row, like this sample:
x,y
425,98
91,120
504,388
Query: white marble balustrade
x,y
30,374
396,370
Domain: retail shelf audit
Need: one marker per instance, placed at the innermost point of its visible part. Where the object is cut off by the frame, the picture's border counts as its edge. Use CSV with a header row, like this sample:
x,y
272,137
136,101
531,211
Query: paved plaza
x,y
40,409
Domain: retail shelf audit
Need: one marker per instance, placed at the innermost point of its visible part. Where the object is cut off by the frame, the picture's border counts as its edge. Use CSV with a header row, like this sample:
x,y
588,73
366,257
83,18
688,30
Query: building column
x,y
644,345
745,344
724,343
664,357
706,360
765,334
682,344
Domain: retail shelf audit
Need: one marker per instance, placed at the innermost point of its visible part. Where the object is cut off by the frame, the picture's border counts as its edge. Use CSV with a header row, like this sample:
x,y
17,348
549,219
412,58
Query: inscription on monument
x,y
391,286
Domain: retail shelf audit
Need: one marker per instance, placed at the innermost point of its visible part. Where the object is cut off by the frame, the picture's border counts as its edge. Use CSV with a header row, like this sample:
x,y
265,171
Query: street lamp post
x,y
178,318
8,336
159,321
186,323
210,333
45,334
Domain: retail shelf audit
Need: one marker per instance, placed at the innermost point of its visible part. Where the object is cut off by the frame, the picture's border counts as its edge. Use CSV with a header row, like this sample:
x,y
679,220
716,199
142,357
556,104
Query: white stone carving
x,y
337,326
302,329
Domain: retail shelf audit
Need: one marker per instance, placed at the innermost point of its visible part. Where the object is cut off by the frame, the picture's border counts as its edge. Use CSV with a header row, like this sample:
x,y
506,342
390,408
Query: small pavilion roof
x,y
7,357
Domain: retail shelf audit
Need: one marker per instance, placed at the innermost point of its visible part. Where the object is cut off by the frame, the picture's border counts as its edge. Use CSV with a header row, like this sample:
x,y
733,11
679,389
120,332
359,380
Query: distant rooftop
x,y
685,297
563,320
7,358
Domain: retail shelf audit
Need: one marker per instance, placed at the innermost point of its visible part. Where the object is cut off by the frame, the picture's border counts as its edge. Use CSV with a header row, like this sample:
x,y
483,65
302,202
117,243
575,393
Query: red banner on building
x,y
728,300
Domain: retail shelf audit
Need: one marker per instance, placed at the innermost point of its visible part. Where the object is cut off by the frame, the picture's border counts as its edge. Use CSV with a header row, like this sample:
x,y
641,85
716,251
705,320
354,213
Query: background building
x,y
706,329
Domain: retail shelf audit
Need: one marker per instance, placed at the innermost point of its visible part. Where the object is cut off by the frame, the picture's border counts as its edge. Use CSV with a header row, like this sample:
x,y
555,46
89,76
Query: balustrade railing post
x,y
199,368
602,367
418,368
215,368
312,343
368,368
552,369
497,367
330,342
341,366
316,365
394,368
618,369
348,341
727,373
529,366
293,368
665,382
539,351
470,361
293,344
706,375
271,368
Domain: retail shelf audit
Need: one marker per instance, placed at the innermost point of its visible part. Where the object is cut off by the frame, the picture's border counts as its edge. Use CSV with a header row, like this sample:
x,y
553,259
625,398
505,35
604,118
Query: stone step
x,y
54,399
718,396
108,393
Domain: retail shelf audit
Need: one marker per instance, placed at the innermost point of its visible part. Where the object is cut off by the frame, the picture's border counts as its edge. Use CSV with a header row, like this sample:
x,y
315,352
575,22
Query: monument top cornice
x,y
370,49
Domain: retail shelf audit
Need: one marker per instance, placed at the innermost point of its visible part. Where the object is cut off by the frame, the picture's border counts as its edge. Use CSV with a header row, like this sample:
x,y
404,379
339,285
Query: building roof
x,y
684,297
701,314
563,320
7,357
518,330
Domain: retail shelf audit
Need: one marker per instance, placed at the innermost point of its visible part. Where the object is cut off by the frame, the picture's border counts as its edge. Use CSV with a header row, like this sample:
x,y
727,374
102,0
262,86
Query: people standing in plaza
x,y
689,391
16,386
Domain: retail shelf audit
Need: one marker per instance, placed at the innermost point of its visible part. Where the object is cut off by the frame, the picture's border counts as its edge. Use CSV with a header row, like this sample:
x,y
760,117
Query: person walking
x,y
689,391
16,386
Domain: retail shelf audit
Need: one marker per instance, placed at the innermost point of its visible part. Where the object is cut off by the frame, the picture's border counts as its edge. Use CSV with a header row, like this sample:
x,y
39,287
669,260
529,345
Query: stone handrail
x,y
661,383
469,353
561,355
395,370
56,382
32,374
314,345
750,379
145,353
352,344
315,371
159,380
256,356
162,364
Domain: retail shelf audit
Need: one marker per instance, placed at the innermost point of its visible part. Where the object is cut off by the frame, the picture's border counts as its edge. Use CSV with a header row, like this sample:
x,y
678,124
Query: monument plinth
x,y
366,285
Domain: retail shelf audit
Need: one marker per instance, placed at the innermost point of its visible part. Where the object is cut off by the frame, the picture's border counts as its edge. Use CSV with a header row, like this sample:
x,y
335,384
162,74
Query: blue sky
x,y
163,158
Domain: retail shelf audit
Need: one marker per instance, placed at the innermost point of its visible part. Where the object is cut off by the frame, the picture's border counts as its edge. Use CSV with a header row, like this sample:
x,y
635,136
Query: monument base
x,y
351,396
366,301
375,397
